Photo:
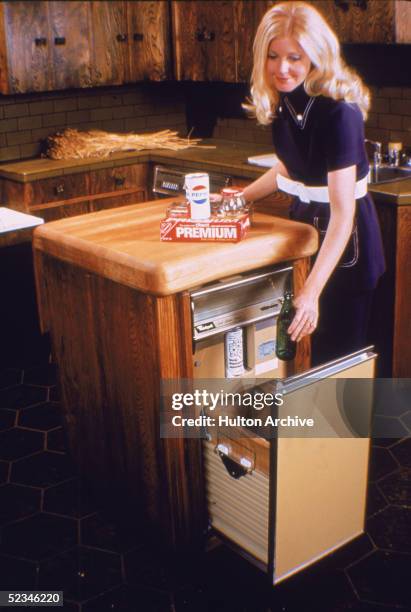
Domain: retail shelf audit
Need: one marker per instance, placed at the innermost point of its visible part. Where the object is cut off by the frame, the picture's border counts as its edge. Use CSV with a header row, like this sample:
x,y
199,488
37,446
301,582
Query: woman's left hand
x,y
306,316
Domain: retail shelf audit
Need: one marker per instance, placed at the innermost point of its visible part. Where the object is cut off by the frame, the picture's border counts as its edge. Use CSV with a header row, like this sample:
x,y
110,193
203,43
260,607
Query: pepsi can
x,y
197,186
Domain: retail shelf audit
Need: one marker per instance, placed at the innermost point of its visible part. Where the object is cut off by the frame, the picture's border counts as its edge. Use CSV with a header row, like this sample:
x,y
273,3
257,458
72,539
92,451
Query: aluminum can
x,y
234,352
197,186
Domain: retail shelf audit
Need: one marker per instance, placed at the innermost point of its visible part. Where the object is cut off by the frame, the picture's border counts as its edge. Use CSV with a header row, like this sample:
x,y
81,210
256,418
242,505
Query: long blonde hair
x,y
329,75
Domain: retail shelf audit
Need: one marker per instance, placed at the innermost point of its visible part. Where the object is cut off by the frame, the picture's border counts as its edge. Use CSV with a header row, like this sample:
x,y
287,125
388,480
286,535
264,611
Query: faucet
x,y
377,158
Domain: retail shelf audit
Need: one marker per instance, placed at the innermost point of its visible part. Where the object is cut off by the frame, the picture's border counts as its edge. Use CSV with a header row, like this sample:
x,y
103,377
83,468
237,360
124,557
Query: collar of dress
x,y
299,104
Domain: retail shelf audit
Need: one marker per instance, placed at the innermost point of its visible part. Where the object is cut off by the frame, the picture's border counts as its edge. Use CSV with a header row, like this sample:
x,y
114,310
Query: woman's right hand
x,y
306,316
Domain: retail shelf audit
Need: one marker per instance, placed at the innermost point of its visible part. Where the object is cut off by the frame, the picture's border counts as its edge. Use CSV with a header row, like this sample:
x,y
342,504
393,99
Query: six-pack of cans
x,y
196,220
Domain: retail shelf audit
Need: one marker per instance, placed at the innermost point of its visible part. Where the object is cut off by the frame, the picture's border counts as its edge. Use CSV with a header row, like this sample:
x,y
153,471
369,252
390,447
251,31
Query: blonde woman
x,y
317,106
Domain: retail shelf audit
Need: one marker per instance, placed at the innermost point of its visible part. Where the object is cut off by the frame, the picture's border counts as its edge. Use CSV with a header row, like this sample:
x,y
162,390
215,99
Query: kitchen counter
x,y
124,246
115,301
228,157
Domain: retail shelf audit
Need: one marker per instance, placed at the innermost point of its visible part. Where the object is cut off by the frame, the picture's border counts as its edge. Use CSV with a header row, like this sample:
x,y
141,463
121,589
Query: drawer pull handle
x,y
121,37
59,189
59,40
119,181
138,37
40,42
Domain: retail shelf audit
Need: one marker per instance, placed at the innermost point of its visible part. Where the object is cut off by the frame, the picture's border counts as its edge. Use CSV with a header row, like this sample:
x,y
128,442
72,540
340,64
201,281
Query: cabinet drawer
x,y
117,179
57,188
53,213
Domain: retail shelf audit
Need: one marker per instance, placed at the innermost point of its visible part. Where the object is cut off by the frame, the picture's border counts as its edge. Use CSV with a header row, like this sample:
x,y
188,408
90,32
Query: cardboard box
x,y
215,229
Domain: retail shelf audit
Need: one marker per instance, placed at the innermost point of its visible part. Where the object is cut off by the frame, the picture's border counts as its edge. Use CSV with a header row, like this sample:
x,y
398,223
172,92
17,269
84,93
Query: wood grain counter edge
x,y
165,268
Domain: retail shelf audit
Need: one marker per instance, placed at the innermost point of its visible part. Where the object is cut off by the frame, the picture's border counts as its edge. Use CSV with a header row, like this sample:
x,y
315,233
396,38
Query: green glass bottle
x,y
285,347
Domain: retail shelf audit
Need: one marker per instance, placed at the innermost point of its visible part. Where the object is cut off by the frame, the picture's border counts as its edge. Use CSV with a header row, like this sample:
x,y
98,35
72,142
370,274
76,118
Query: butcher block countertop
x,y
124,245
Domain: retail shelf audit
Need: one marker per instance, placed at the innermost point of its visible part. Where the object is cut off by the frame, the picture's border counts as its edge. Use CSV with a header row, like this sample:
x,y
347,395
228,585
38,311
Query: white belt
x,y
316,194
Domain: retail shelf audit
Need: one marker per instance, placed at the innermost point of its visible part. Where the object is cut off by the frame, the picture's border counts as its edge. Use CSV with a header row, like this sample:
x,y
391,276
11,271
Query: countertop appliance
x,y
286,500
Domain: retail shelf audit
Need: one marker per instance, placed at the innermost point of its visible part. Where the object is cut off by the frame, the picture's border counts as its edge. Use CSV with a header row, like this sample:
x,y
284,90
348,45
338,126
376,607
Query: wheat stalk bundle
x,y
72,144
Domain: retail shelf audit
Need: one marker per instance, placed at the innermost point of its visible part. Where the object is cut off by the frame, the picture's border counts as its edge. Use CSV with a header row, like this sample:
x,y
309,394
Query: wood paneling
x,y
126,342
70,22
204,41
27,36
402,325
148,40
110,42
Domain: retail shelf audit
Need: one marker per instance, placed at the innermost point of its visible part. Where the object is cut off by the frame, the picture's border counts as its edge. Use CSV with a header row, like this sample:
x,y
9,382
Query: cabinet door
x,y
110,42
71,45
204,41
371,21
27,46
247,17
113,187
148,40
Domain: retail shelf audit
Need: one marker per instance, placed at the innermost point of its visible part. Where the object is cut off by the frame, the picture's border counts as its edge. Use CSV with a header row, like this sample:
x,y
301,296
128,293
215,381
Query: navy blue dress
x,y
313,136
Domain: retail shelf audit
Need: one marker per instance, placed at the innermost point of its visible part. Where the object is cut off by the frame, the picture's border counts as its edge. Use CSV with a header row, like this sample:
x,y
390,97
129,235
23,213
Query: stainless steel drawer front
x,y
238,301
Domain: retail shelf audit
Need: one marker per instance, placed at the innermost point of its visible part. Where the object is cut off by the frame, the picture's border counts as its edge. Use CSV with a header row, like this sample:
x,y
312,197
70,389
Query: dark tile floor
x,y
53,537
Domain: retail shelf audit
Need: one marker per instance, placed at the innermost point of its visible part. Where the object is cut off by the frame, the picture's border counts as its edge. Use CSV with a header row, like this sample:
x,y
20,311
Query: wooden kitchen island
x,y
115,301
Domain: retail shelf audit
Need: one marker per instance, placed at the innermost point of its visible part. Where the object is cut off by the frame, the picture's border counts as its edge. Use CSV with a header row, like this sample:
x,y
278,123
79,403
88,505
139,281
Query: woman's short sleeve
x,y
344,137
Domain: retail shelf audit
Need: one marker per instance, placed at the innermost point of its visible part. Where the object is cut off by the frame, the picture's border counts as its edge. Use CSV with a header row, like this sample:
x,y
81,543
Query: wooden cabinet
x,y
70,44
368,21
391,313
149,41
25,62
213,40
76,194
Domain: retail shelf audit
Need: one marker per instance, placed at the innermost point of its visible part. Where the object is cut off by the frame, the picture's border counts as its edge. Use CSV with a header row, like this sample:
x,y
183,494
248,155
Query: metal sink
x,y
387,174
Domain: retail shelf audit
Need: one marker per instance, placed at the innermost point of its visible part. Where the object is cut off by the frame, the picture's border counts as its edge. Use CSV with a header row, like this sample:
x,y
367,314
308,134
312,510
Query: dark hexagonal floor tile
x,y
39,537
98,532
69,499
10,377
22,396
7,419
16,443
17,502
402,452
150,567
81,573
397,487
43,416
392,396
17,574
375,499
4,471
406,419
347,554
388,427
42,470
383,578
56,440
381,463
126,599
45,375
391,529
